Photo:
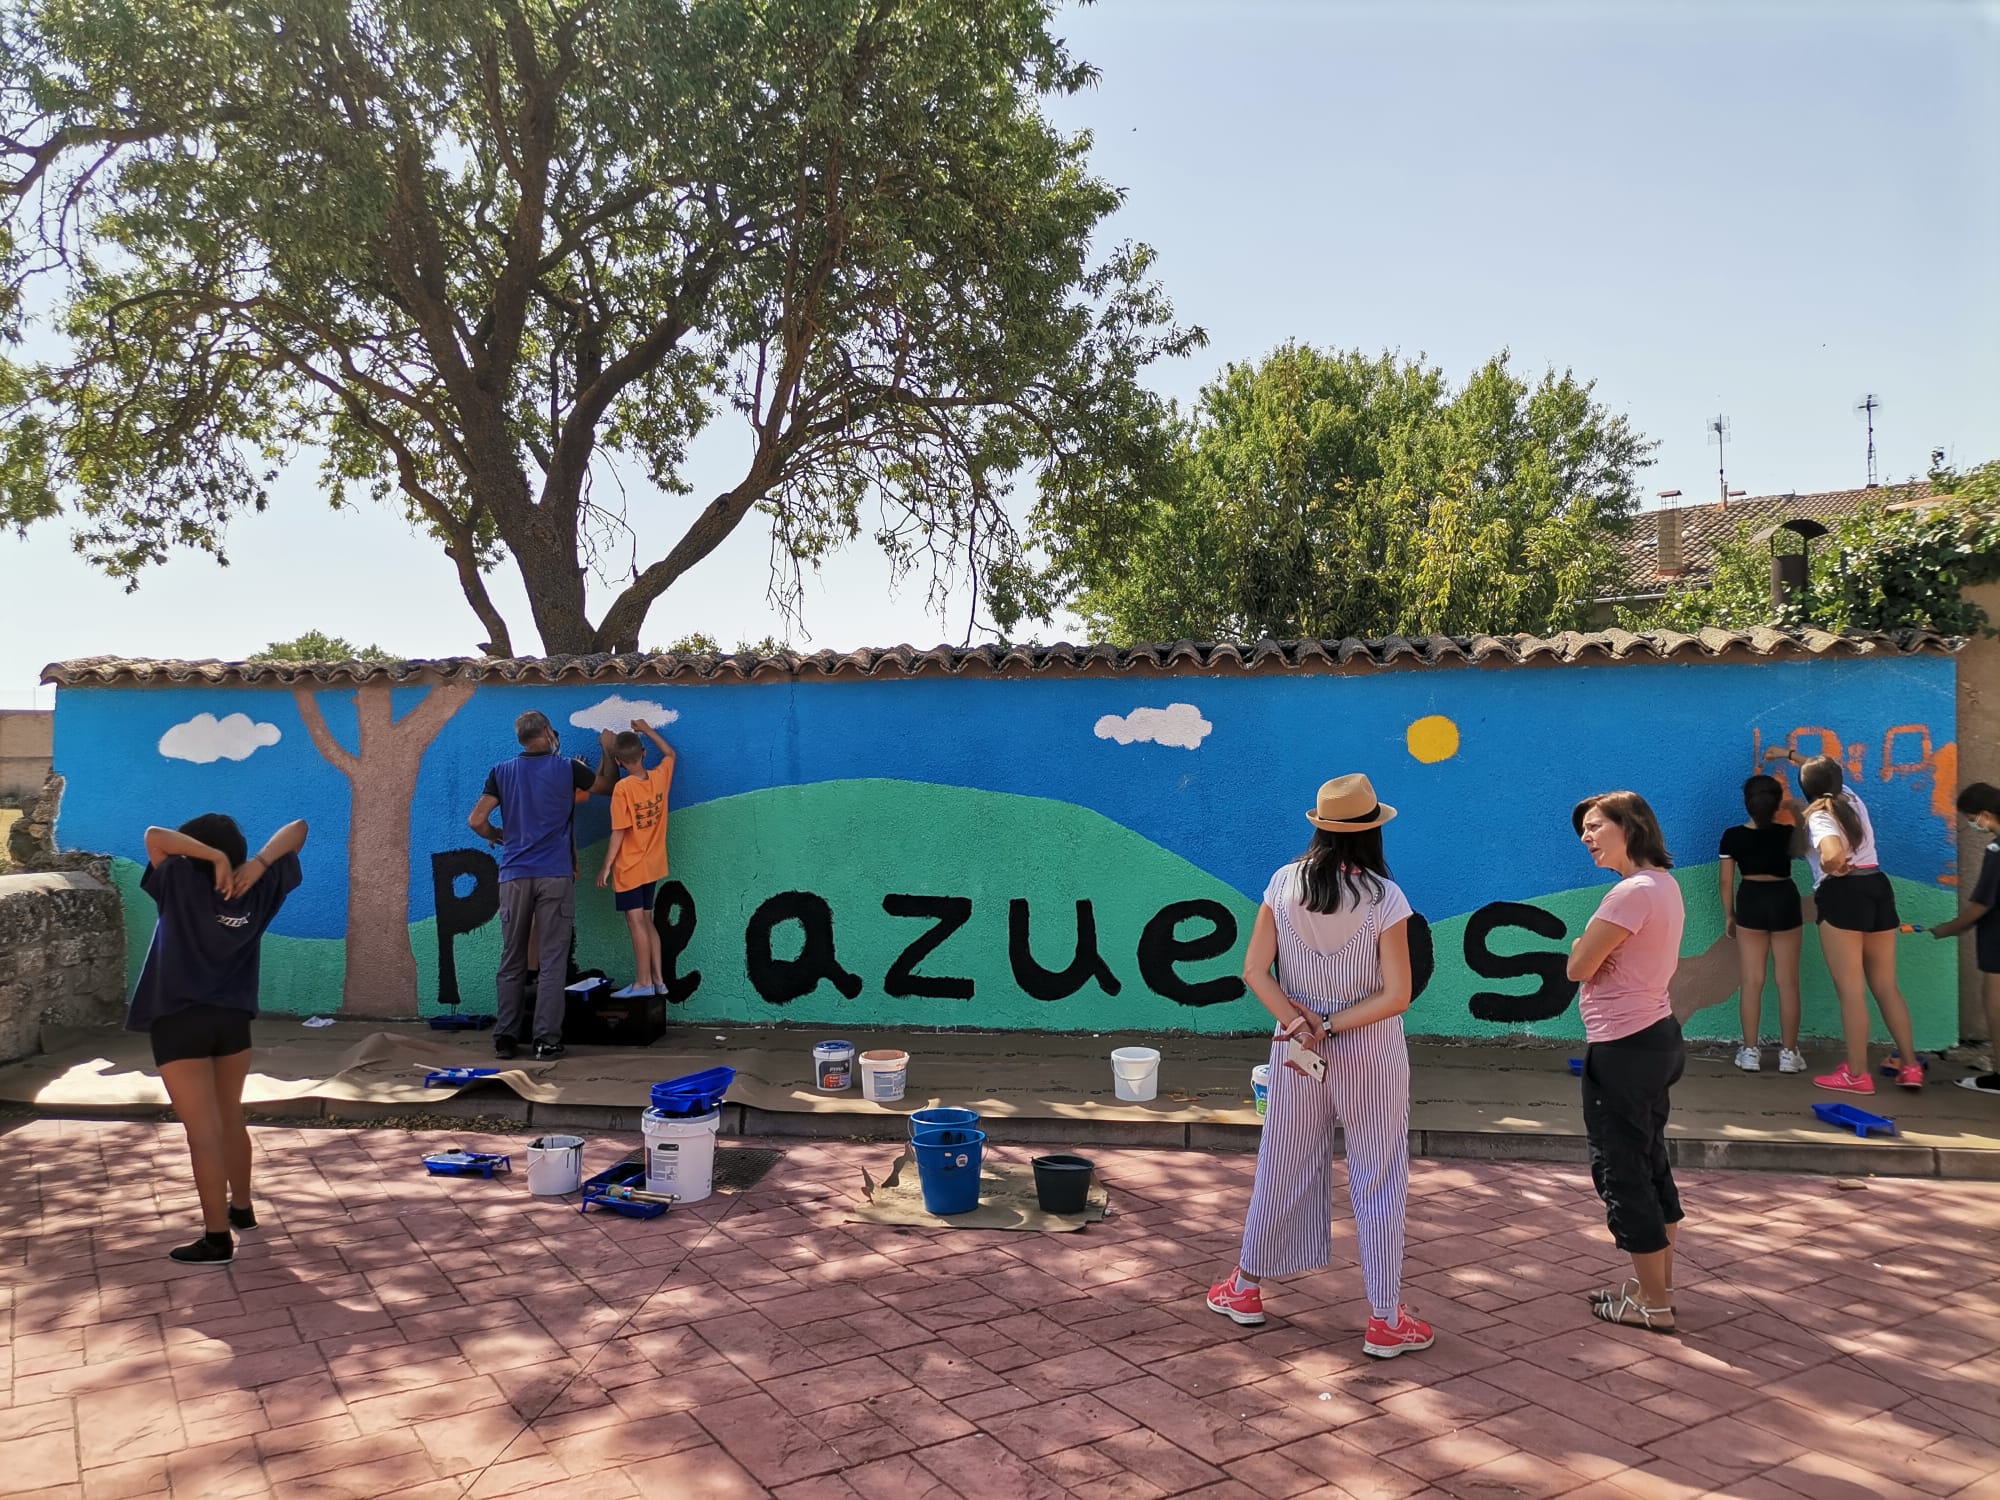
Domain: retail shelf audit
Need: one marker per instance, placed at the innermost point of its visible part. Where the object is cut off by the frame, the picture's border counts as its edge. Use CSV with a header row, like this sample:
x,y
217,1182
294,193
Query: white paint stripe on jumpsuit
x,y
1367,1090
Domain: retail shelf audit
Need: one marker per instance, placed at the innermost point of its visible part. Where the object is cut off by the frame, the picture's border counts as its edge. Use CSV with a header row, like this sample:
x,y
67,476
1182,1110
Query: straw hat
x,y
1347,805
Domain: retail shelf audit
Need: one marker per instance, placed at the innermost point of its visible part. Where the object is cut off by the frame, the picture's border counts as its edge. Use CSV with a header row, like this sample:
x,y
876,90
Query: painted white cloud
x,y
617,714
205,738
1178,724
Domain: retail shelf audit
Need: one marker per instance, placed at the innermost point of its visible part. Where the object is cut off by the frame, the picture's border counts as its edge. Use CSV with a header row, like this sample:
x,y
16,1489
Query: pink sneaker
x,y
1911,1077
1846,1081
1243,1305
1386,1340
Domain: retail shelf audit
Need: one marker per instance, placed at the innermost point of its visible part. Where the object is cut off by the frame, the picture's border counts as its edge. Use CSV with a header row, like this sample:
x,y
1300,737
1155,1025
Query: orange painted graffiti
x,y
1939,762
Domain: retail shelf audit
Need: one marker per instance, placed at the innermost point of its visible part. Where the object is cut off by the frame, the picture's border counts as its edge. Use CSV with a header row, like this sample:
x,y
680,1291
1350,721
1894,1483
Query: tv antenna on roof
x,y
1868,405
1718,434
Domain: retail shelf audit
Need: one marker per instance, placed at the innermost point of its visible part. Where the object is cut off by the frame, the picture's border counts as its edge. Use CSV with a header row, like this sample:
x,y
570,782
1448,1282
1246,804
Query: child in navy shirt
x,y
197,992
1980,803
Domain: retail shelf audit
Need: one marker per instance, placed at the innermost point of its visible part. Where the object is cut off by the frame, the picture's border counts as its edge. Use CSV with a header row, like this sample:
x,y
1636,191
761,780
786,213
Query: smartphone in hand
x,y
1305,1060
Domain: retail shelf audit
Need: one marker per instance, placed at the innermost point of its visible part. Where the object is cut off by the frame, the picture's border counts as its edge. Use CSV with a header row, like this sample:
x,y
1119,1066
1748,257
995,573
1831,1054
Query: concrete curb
x,y
1832,1158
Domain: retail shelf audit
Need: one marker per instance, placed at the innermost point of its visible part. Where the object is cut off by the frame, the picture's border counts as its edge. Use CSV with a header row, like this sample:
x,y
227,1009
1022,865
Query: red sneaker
x,y
1386,1340
1846,1081
1243,1305
1911,1077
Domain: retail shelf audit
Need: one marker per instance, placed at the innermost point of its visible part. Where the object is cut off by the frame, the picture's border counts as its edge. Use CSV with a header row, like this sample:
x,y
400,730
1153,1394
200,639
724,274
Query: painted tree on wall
x,y
382,783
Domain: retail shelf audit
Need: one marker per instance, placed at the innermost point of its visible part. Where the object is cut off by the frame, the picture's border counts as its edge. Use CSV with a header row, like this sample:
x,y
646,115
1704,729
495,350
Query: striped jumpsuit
x,y
1366,1090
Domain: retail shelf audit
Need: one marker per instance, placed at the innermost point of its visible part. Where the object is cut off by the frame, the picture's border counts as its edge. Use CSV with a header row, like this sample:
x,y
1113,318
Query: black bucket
x,y
1062,1183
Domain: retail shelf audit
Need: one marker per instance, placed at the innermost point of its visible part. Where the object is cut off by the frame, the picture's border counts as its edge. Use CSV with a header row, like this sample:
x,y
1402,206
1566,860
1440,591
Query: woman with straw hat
x,y
1337,928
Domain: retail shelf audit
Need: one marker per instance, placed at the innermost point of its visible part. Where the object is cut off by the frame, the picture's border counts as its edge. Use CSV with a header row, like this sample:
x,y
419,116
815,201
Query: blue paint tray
x,y
1576,1067
1858,1120
457,1022
696,1094
438,1077
608,1189
467,1163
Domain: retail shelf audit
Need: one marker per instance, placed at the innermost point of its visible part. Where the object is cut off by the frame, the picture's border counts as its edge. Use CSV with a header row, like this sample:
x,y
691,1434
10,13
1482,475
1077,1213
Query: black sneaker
x,y
504,1046
1985,1083
548,1051
205,1252
242,1218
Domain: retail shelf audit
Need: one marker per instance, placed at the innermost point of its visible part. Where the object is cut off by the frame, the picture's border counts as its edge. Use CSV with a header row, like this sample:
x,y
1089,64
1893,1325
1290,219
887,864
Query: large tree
x,y
483,255
1335,494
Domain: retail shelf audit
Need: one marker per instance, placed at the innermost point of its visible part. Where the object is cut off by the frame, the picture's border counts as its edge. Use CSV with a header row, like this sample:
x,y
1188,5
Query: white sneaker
x,y
1790,1061
1749,1059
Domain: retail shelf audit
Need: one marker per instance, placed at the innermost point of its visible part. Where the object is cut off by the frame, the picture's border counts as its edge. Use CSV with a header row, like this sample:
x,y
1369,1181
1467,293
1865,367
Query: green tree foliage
x,y
316,645
701,641
1879,569
485,255
1335,494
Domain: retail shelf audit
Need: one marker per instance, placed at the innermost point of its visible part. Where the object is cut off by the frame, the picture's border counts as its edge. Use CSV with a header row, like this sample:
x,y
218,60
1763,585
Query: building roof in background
x,y
1572,648
1706,526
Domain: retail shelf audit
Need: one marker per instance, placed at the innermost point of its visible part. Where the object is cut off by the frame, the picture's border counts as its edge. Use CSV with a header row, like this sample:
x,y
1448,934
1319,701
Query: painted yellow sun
x,y
1432,739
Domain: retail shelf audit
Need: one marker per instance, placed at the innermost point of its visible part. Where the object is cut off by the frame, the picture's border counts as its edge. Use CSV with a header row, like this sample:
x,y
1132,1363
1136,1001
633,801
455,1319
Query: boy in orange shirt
x,y
636,862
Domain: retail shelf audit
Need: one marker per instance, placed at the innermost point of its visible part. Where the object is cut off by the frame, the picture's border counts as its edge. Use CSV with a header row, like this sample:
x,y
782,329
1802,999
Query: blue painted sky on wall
x,y
1491,822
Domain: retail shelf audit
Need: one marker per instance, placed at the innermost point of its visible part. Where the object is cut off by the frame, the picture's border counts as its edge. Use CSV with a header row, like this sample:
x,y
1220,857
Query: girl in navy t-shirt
x,y
197,992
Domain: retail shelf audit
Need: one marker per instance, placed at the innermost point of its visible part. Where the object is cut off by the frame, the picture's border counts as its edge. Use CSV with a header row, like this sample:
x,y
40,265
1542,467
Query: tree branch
x,y
308,702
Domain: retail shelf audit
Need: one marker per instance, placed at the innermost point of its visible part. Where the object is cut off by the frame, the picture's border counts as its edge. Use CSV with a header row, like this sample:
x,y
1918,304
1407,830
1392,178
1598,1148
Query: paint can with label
x,y
884,1073
680,1153
1260,1085
833,1067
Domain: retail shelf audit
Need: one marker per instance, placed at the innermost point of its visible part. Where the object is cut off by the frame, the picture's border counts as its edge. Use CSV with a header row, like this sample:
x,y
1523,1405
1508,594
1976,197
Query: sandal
x,y
1627,1288
1617,1312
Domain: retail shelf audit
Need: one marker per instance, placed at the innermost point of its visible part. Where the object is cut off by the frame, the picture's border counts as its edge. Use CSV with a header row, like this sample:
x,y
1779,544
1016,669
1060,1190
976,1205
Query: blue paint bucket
x,y
943,1119
948,1169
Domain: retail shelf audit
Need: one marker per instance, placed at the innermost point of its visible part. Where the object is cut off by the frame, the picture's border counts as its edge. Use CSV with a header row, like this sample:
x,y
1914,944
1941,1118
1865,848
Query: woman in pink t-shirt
x,y
1625,960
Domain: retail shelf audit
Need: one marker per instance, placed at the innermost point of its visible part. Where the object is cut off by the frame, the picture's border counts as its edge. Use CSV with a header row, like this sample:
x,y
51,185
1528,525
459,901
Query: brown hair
x,y
1643,839
1820,779
628,747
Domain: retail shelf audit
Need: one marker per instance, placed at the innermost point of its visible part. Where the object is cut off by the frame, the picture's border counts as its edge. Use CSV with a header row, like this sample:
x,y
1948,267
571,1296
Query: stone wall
x,y
62,956
27,750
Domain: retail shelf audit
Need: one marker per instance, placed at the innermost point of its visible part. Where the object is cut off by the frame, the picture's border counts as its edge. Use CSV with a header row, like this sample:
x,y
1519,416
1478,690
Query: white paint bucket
x,y
833,1067
884,1074
1135,1071
680,1153
555,1165
1260,1086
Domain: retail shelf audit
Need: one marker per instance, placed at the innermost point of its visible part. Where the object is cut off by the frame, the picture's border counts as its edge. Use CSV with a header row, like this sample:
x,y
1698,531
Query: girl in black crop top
x,y
1764,912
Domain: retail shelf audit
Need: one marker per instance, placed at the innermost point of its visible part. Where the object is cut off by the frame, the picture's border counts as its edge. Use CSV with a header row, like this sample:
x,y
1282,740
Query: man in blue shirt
x,y
536,794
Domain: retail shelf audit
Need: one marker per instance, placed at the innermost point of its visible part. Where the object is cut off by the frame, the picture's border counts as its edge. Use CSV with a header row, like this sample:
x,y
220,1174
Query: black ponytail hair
x,y
1341,867
1762,797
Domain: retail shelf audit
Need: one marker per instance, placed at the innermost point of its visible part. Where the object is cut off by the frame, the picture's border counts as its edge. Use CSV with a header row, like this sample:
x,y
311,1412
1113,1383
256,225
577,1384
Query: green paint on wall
x,y
853,842
1926,969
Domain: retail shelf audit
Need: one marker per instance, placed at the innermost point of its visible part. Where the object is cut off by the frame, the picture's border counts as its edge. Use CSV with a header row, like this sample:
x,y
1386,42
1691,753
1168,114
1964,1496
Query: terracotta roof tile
x,y
1176,658
1704,527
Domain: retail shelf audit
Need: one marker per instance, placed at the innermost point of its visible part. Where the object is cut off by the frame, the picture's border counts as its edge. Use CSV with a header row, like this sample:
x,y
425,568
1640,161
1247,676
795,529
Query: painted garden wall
x,y
1048,853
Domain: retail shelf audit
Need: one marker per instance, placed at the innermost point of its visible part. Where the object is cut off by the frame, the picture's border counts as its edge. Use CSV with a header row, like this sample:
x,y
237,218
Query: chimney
x,y
1667,554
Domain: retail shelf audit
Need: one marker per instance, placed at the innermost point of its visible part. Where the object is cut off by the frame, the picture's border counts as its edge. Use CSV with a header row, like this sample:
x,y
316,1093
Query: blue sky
x,y
1761,210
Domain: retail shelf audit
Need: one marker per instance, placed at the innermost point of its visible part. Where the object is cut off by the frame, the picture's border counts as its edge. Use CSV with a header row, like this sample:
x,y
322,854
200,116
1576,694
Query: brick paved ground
x,y
387,1334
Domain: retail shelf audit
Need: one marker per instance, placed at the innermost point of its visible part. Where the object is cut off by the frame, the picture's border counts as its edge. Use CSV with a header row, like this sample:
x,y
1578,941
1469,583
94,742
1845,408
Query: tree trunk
x,y
382,783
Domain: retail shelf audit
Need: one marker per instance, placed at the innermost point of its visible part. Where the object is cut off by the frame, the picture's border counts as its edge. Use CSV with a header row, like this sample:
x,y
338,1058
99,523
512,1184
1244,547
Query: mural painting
x,y
1047,854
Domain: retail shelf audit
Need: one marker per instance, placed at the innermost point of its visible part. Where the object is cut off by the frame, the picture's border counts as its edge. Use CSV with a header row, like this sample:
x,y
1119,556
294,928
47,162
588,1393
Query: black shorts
x,y
1769,906
1858,903
639,898
200,1031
